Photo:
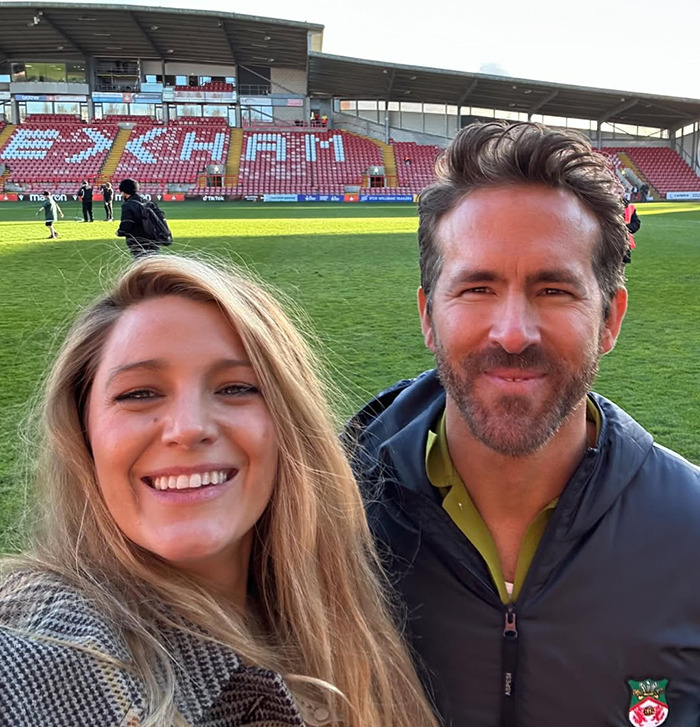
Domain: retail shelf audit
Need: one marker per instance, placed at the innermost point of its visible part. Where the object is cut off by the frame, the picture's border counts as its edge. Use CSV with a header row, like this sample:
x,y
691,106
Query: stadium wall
x,y
174,68
631,142
688,146
44,87
367,127
288,80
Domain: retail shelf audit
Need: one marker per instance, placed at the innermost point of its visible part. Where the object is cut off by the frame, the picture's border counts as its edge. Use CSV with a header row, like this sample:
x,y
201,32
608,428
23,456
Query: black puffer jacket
x,y
131,224
612,595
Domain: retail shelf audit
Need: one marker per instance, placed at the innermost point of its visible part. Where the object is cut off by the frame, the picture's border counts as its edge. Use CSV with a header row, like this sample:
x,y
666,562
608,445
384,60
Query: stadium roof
x,y
352,78
77,30
72,30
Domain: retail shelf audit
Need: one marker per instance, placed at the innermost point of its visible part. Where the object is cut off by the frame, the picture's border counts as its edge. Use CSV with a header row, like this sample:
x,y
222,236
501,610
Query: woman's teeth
x,y
185,482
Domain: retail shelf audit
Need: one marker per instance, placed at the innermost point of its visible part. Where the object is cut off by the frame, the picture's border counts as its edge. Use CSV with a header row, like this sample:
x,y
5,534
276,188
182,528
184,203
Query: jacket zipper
x,y
509,661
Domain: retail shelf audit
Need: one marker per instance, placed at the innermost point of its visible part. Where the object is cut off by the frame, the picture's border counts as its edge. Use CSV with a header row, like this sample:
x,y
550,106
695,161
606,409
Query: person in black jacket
x,y
131,224
544,546
108,199
85,196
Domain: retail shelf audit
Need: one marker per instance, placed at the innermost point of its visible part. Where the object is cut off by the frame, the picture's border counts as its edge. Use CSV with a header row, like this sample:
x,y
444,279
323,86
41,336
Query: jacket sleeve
x,y
129,224
46,683
635,223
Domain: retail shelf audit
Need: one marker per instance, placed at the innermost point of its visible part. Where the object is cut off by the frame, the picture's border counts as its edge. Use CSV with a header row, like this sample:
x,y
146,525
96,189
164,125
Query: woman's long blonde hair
x,y
324,612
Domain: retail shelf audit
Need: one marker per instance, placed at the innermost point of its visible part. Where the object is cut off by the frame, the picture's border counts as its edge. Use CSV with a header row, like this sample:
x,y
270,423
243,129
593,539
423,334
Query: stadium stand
x,y
175,153
664,168
56,150
61,150
415,164
286,162
209,86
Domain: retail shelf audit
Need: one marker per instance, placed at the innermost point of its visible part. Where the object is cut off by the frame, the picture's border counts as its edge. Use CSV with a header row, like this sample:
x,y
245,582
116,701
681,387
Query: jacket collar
x,y
392,437
204,668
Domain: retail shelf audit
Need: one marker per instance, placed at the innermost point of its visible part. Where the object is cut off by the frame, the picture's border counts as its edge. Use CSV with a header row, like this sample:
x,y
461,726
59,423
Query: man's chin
x,y
510,426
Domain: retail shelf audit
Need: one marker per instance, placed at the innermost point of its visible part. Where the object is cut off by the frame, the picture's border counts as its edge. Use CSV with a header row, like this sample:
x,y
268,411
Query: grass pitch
x,y
353,270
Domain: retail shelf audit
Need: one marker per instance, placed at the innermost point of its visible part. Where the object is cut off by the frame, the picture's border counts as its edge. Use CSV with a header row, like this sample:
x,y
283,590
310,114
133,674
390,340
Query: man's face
x,y
516,324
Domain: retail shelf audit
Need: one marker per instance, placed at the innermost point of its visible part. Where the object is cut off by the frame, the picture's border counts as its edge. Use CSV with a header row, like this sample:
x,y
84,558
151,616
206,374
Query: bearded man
x,y
544,546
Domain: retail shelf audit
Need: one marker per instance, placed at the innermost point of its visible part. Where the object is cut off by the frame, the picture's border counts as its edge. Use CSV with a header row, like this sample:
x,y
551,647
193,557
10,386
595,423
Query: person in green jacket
x,y
51,213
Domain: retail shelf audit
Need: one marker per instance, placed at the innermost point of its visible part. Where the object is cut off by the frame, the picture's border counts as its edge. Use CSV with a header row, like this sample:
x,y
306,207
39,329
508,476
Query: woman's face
x,y
183,442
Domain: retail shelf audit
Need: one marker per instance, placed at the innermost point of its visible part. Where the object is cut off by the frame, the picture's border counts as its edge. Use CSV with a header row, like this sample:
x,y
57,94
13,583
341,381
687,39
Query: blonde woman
x,y
201,554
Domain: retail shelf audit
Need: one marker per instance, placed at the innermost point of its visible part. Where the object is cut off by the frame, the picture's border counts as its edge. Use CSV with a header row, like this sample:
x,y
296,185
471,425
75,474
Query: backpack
x,y
155,226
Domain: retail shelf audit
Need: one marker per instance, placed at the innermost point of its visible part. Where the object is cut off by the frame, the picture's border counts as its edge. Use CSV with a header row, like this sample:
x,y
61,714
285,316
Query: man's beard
x,y
516,425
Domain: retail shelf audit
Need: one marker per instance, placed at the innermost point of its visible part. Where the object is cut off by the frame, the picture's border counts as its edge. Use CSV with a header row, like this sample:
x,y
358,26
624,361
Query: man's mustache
x,y
533,357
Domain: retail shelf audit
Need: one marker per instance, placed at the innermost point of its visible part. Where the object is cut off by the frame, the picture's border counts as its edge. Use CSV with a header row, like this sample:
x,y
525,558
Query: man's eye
x,y
238,390
475,290
555,291
136,395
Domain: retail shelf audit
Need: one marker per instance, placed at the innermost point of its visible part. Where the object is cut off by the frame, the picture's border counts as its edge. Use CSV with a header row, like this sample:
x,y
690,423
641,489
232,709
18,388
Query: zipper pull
x,y
510,630
510,658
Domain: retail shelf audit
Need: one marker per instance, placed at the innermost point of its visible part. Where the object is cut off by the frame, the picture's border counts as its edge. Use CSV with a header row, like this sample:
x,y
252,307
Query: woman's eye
x,y
136,395
238,389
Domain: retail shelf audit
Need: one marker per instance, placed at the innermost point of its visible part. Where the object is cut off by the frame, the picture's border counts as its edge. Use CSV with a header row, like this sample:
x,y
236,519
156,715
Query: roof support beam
x,y
628,104
46,17
675,112
542,102
676,127
390,87
467,92
156,51
229,43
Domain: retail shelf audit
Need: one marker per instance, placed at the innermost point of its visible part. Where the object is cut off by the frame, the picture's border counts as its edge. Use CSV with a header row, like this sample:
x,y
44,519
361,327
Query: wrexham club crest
x,y
648,706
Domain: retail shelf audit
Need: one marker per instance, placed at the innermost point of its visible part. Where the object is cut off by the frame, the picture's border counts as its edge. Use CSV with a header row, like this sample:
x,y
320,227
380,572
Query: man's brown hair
x,y
497,153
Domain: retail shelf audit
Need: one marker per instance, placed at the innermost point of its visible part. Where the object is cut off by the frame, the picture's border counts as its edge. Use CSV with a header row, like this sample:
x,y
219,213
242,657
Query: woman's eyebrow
x,y
231,363
151,364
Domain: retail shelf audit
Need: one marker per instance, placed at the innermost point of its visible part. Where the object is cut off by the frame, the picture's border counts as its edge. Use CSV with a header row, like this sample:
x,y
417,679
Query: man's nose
x,y
516,325
189,421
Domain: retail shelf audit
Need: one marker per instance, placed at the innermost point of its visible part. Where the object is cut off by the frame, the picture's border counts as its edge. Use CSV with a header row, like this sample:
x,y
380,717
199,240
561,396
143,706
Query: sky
x,y
642,46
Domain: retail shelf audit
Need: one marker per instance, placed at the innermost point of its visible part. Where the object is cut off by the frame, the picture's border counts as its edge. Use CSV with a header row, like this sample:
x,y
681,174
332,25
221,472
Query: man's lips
x,y
514,375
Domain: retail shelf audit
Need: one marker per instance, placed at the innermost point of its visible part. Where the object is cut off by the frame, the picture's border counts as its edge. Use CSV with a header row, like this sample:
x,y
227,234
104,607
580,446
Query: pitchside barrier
x,y
96,197
340,198
180,197
682,195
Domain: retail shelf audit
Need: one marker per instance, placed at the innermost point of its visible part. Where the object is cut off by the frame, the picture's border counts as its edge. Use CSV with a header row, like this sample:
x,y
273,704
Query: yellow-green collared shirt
x,y
464,513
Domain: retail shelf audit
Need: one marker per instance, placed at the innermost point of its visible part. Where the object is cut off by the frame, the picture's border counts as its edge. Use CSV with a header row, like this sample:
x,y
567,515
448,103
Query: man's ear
x,y
425,322
613,323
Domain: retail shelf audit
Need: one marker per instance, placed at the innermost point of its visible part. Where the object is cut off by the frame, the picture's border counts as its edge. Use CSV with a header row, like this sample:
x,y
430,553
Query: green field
x,y
353,270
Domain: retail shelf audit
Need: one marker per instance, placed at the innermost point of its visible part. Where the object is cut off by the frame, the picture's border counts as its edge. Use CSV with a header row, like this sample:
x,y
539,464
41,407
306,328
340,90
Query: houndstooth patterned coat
x,y
46,683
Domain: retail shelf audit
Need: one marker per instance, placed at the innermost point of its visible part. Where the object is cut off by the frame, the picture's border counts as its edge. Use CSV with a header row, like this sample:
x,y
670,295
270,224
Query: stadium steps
x,y
624,157
233,163
5,134
114,156
388,158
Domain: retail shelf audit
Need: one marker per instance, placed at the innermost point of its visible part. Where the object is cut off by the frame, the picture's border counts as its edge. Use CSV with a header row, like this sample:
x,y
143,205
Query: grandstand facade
x,y
220,105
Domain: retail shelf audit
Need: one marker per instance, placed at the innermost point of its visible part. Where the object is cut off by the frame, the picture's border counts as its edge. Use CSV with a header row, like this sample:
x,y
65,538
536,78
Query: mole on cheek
x,y
155,419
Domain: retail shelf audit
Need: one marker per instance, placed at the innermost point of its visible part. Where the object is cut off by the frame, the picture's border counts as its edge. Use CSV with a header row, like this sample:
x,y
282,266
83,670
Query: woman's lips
x,y
177,479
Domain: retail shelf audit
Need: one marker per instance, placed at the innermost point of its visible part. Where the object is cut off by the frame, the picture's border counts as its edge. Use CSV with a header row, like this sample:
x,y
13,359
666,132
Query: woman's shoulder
x,y
44,605
59,657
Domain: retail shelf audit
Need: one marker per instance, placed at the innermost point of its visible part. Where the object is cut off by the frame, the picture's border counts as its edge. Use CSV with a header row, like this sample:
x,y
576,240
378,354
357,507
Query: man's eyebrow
x,y
555,275
549,275
157,364
469,275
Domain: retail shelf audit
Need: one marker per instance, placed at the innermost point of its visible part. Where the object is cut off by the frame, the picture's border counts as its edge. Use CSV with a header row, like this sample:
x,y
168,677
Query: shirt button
x,y
321,714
